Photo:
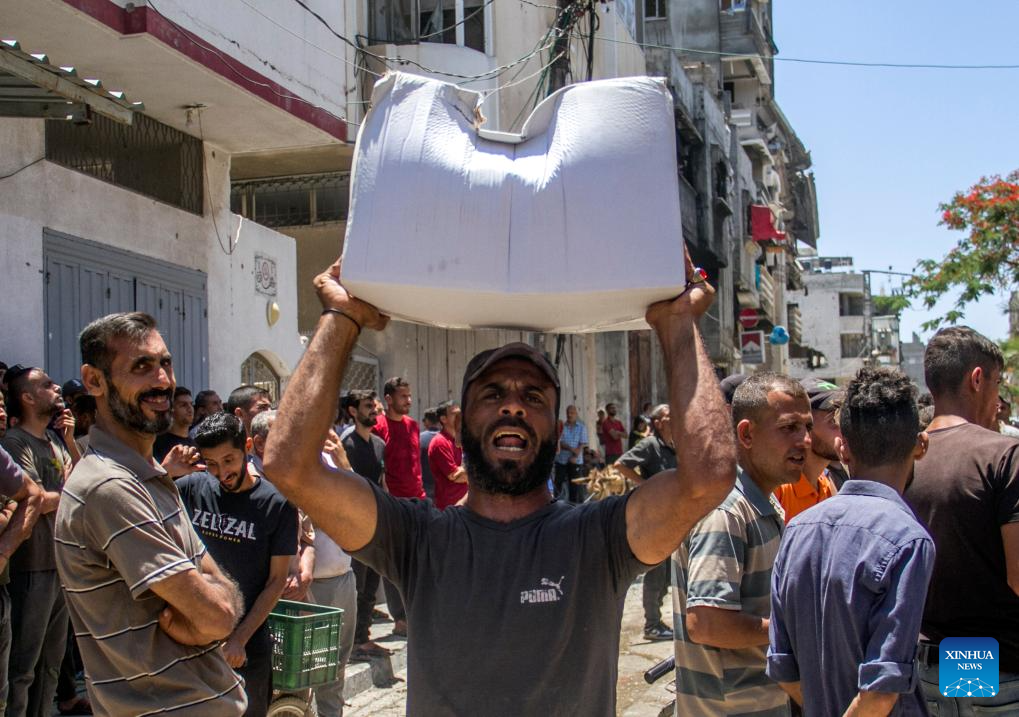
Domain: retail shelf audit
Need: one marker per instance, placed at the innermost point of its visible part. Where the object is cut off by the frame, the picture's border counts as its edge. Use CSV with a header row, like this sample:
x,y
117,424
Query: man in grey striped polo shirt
x,y
722,571
148,604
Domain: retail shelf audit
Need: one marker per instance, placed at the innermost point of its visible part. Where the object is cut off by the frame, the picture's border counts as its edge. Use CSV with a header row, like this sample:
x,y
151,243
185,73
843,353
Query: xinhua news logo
x,y
968,667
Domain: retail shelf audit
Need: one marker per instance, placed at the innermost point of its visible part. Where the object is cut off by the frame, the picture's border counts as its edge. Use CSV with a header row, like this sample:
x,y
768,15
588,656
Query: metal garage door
x,y
86,280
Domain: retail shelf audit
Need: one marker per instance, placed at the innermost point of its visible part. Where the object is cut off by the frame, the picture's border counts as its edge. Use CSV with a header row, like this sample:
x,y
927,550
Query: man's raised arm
x,y
663,509
340,503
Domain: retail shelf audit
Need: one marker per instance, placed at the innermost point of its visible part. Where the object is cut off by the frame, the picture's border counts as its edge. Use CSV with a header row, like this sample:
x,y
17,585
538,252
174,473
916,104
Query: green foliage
x,y
889,305
985,260
1010,380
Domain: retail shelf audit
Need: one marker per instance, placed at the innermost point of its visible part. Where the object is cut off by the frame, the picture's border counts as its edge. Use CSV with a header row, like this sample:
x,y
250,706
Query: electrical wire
x,y
811,61
230,243
22,168
542,70
305,40
236,71
489,74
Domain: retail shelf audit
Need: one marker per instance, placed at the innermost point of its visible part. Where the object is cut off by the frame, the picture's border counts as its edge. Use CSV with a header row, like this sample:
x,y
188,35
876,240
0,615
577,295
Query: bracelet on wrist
x,y
341,312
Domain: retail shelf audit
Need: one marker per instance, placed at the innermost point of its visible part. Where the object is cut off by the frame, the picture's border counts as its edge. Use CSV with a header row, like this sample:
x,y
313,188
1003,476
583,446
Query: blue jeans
x,y
1006,702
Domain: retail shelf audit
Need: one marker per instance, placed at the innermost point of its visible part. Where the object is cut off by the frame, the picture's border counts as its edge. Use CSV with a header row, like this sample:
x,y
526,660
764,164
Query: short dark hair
x,y
390,387
431,415
952,353
202,396
181,391
219,428
95,338
879,418
84,403
19,383
752,395
243,396
353,398
443,408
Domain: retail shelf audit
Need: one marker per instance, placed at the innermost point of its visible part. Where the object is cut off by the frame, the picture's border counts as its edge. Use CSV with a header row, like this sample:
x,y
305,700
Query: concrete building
x,y
746,174
229,189
831,305
105,210
842,327
912,361
214,204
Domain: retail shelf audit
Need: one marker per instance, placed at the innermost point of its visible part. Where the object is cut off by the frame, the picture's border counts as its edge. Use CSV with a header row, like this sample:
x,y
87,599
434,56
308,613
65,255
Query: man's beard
x,y
366,421
54,409
241,477
508,477
133,416
825,451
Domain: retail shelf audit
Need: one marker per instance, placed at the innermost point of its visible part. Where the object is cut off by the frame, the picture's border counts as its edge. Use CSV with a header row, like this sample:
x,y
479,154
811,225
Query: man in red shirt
x,y
445,457
611,434
400,432
403,469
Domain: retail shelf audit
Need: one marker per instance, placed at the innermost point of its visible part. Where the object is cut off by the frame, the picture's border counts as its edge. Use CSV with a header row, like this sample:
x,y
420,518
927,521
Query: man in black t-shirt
x,y
251,532
966,491
543,579
365,451
653,455
182,413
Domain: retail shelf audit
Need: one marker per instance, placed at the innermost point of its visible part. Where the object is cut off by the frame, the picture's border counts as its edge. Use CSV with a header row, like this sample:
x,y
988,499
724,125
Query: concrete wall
x,y
822,325
281,41
46,195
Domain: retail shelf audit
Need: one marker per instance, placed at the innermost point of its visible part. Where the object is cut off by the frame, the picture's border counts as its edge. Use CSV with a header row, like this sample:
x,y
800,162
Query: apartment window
x,y
146,156
452,22
655,9
853,345
850,304
733,5
293,201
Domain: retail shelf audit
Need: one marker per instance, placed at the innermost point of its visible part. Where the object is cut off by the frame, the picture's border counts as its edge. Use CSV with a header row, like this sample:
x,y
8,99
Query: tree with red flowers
x,y
984,261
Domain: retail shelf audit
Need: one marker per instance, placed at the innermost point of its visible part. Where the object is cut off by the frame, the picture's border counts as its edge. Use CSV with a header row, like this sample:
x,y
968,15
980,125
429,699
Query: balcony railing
x,y
766,289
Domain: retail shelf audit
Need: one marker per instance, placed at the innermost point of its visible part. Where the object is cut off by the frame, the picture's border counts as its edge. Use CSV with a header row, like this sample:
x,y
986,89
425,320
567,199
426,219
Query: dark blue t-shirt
x,y
242,531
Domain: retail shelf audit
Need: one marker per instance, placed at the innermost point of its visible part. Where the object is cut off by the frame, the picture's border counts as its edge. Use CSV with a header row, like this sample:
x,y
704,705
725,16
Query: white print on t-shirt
x,y
224,525
548,592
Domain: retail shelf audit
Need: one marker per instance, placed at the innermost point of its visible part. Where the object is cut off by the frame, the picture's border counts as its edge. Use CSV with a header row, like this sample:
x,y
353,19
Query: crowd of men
x,y
820,541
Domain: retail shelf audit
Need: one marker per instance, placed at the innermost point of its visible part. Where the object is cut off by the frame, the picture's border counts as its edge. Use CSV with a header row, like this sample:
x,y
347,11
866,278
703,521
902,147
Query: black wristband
x,y
341,312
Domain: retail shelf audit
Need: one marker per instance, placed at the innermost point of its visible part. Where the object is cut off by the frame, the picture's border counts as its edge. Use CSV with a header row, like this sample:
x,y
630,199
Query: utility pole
x,y
561,47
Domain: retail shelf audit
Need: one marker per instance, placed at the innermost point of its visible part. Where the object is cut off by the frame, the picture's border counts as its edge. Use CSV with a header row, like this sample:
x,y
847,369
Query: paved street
x,y
635,699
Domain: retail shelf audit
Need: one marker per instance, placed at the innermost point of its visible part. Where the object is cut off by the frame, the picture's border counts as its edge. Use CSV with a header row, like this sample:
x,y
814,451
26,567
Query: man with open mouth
x,y
514,600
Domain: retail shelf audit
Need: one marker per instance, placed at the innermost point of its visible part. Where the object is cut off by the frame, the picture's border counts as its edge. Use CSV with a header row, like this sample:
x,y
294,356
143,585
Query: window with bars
x,y
146,156
293,201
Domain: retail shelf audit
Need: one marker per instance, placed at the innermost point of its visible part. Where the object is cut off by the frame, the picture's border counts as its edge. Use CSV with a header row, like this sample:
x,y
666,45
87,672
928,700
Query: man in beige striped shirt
x,y
148,604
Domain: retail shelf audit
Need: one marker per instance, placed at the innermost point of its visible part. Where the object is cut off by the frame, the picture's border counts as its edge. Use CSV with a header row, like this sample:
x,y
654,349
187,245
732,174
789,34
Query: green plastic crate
x,y
305,644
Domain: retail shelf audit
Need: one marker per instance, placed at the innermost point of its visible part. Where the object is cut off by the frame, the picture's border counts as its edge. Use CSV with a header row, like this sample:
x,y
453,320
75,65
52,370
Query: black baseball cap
x,y
518,350
72,388
823,395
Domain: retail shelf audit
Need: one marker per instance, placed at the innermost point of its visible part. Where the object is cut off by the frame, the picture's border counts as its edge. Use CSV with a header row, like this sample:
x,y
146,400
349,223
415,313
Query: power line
x,y
457,24
811,61
487,75
22,168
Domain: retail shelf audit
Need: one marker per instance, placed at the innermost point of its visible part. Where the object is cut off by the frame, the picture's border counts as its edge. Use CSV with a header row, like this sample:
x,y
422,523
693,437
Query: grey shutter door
x,y
85,281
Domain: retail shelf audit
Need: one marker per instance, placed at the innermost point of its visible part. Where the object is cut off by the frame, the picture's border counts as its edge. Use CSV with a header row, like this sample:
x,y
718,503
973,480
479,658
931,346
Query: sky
x,y
889,145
